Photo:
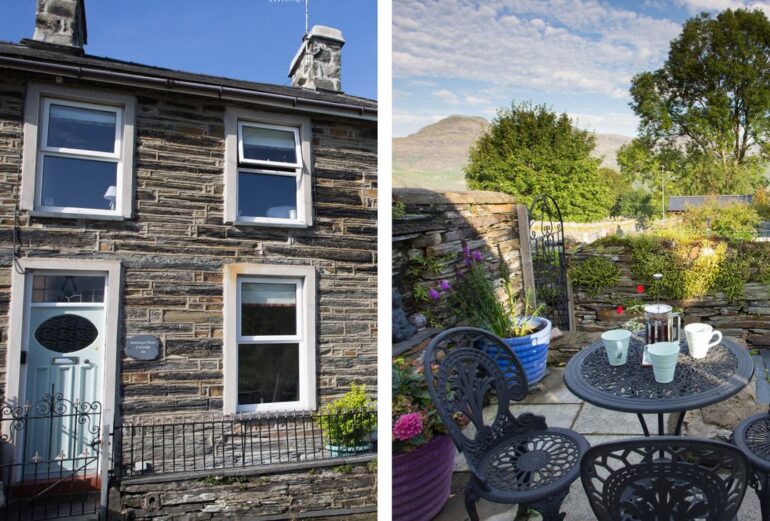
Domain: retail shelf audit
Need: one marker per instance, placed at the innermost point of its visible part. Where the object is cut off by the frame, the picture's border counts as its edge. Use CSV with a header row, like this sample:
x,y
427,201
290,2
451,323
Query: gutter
x,y
348,110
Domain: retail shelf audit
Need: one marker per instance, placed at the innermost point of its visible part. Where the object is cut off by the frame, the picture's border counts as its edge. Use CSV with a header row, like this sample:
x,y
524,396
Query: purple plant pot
x,y
422,479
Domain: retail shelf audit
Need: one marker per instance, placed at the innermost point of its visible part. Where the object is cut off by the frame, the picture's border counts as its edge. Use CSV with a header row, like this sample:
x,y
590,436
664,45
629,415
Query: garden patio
x,y
563,409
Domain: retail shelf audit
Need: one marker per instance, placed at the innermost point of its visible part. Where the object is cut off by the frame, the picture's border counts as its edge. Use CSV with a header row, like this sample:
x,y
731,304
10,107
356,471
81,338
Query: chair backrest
x,y
464,367
664,478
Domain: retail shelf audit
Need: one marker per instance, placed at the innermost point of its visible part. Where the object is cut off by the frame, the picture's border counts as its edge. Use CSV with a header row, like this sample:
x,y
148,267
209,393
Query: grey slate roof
x,y
33,54
679,203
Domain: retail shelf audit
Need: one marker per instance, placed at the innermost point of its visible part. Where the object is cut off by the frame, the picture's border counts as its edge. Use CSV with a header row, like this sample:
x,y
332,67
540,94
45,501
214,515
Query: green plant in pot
x,y
349,423
476,300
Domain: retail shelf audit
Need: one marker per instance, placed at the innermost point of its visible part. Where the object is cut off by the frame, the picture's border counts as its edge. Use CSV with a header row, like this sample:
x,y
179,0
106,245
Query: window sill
x,y
270,224
89,216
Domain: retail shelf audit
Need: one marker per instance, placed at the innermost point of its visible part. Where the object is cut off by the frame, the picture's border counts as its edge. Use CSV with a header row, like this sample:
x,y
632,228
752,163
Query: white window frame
x,y
39,98
304,277
235,119
265,163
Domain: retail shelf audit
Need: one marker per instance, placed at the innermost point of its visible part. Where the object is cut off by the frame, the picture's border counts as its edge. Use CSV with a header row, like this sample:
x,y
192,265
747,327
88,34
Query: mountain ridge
x,y
434,156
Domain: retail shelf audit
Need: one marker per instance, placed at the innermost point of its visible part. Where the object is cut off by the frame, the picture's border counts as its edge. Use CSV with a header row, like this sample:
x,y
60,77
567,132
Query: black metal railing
x,y
176,445
50,458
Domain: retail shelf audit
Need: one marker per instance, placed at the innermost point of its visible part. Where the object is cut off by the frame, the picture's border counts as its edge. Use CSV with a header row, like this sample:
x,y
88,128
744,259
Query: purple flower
x,y
476,255
444,285
407,426
433,294
466,254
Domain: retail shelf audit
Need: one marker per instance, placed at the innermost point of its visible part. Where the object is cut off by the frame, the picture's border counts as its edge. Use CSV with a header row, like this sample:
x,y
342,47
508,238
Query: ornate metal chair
x,y
752,436
517,460
666,478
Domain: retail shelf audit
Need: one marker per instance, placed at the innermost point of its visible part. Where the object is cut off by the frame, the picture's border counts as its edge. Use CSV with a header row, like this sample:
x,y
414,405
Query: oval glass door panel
x,y
66,333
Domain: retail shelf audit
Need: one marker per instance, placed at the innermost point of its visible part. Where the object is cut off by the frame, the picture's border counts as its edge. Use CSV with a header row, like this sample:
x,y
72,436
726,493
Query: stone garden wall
x,y
589,232
433,225
747,318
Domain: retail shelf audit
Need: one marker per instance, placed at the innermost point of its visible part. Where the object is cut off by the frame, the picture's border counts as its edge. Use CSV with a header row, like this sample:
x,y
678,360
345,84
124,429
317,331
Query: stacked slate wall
x,y
747,318
435,225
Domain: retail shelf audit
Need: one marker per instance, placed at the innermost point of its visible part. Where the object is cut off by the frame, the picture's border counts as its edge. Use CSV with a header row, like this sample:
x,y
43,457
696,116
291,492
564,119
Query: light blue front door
x,y
64,374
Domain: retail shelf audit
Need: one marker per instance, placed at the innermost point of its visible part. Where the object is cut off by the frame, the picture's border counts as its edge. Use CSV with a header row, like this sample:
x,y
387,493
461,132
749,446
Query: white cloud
x,y
610,122
446,96
470,99
697,6
557,46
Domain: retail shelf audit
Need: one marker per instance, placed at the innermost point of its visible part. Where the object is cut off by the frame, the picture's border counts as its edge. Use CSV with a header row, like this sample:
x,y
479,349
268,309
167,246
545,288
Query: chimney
x,y
60,24
317,64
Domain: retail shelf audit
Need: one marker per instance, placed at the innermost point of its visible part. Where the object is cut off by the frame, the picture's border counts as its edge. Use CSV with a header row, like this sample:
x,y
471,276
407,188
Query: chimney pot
x,y
318,62
60,24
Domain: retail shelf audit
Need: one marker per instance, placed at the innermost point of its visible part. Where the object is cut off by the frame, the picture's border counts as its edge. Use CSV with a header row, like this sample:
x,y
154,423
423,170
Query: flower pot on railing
x,y
422,479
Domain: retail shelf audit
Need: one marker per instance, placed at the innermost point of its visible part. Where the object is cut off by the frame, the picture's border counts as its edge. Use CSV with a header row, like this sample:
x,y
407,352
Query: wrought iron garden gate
x,y
50,459
549,262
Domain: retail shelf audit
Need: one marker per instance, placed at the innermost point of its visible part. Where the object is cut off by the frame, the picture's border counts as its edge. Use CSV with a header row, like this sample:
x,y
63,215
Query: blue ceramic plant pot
x,y
532,350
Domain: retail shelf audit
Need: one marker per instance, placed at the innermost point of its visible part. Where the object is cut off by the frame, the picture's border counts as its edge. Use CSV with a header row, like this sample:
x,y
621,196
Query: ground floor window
x,y
270,338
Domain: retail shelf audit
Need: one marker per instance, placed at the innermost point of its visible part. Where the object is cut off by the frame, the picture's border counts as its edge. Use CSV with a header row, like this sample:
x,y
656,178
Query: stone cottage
x,y
188,264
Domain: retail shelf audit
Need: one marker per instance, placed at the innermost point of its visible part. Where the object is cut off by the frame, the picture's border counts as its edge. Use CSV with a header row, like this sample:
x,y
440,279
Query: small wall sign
x,y
143,347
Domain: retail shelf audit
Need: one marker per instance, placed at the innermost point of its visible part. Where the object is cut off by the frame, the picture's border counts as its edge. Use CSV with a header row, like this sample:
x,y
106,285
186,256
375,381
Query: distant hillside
x,y
434,156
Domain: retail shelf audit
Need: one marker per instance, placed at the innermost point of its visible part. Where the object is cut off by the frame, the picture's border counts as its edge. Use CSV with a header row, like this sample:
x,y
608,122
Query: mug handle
x,y
619,347
718,340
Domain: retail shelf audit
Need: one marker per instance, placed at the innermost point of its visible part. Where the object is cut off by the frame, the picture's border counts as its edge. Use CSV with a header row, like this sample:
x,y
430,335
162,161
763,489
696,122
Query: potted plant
x,y
423,454
348,423
481,300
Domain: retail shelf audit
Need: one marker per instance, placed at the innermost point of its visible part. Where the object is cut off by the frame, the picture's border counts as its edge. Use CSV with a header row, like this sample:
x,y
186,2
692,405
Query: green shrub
x,y
595,274
736,221
348,420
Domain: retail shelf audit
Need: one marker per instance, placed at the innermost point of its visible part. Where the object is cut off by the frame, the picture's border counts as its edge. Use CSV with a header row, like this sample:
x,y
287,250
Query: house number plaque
x,y
143,347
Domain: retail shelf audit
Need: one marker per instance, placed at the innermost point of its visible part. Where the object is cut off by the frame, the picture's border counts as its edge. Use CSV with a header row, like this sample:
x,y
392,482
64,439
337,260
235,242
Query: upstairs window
x,y
79,157
268,179
78,153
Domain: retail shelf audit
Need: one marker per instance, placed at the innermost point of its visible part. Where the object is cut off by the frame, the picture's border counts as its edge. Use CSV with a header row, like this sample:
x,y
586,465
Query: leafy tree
x,y
529,150
637,203
705,115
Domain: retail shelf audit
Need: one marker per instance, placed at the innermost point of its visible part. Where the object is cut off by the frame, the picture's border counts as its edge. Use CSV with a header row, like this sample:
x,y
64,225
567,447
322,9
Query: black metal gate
x,y
549,262
50,459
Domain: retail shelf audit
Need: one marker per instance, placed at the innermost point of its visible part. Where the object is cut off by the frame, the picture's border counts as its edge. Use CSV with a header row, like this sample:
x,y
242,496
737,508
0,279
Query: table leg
x,y
644,424
661,430
679,422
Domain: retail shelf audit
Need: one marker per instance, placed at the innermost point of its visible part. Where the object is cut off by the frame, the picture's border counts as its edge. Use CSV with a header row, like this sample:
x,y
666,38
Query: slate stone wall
x,y
347,490
434,225
747,318
174,247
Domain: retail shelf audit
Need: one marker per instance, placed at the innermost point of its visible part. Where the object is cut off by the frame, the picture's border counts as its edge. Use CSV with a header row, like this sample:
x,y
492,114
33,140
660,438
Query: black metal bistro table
x,y
726,369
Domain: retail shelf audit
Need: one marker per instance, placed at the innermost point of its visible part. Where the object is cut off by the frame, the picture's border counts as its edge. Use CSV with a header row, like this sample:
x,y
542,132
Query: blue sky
x,y
577,56
242,39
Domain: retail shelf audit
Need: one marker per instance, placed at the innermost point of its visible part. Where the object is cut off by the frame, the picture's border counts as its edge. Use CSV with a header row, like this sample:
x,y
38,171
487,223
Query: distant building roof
x,y
679,203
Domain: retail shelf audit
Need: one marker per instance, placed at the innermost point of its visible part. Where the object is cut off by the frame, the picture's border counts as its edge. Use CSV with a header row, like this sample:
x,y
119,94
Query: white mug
x,y
699,339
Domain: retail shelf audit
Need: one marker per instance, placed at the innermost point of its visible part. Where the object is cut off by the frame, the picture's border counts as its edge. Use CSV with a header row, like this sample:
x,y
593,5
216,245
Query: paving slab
x,y
556,415
595,420
552,390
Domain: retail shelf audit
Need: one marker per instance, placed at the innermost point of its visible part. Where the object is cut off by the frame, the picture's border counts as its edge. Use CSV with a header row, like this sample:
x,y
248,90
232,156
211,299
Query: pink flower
x,y
619,310
433,294
639,288
407,426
